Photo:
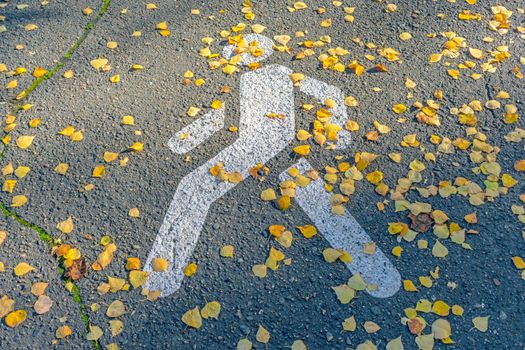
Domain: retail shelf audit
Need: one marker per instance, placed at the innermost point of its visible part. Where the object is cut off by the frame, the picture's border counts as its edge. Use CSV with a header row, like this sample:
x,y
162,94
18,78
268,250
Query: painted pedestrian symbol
x,y
263,91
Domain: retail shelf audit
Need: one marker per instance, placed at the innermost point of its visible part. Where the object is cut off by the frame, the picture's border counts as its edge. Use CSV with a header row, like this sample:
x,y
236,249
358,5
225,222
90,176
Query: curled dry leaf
x,y
421,222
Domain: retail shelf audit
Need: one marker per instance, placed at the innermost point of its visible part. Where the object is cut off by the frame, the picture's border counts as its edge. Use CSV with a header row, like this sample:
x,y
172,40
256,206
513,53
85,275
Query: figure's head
x,y
256,42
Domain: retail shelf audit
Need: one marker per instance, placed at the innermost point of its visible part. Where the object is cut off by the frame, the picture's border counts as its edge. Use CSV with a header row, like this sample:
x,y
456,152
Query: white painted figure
x,y
263,91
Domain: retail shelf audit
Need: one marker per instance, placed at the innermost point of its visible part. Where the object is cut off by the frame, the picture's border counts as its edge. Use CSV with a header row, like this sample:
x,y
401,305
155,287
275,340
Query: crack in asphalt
x,y
15,107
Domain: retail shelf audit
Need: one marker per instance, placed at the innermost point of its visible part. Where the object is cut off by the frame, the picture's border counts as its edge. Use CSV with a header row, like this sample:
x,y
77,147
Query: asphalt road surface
x,y
461,167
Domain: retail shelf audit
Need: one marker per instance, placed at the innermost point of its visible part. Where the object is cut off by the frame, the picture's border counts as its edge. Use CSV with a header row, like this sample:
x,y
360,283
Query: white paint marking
x,y
344,232
266,90
197,132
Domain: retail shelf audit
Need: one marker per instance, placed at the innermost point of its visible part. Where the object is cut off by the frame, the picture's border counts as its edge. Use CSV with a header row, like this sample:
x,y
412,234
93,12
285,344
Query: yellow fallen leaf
x,y
128,120
193,111
441,308
409,286
229,69
244,344
375,177
116,284
258,28
439,250
344,293
330,254
95,333
299,5
137,146
116,309
481,323
25,141
138,278
425,342
296,77
441,329
260,270
435,57
192,318
159,264
6,305
190,269
268,195
18,201
132,264
285,239
134,213
405,36
63,332
425,281
454,73
99,171
15,318
66,226
399,108
262,335
298,345
38,288
308,231
283,202
30,27
62,168
371,327
395,344
23,268
21,171
115,78
116,327
349,324
9,186
104,258
397,250
99,63
211,310
39,72
68,75
457,310
227,251
216,104
302,150
67,131
518,262
12,84
110,156
77,136
475,53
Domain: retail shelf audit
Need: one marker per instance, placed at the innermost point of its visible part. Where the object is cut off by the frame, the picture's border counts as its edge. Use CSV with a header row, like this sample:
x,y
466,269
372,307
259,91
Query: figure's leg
x,y
343,231
189,207
184,220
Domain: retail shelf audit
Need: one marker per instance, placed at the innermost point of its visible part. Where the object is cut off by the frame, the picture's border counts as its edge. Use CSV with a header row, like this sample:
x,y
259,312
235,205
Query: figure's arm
x,y
323,91
197,132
